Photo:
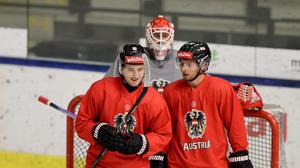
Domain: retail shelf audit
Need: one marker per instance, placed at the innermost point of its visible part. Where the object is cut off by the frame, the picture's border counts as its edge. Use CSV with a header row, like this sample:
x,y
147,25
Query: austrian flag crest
x,y
195,123
122,126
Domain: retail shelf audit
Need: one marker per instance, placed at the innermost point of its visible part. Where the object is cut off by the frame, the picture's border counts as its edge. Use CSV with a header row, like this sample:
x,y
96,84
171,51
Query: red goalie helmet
x,y
160,36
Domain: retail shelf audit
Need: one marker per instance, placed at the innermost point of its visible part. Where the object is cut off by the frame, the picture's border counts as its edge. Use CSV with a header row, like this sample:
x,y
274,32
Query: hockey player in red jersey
x,y
103,110
202,107
159,34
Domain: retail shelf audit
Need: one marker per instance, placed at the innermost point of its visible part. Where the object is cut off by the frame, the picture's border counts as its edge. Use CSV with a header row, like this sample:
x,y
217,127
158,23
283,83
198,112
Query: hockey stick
x,y
57,107
137,102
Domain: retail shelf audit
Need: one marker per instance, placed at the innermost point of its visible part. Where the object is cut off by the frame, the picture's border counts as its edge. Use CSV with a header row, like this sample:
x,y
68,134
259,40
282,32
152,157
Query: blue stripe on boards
x,y
261,81
53,64
104,68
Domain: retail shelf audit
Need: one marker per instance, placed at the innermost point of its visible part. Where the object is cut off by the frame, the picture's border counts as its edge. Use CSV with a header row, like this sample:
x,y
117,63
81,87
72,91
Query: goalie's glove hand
x,y
158,160
240,159
134,143
107,136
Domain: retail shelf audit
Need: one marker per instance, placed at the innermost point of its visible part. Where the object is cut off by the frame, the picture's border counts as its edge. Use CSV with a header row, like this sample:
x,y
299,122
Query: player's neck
x,y
128,87
194,83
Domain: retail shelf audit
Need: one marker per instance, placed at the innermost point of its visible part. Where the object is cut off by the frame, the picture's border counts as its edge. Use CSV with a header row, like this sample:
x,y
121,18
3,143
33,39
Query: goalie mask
x,y
134,54
198,51
160,36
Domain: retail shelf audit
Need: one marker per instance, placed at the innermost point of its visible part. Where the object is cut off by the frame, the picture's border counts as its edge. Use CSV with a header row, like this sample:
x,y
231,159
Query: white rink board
x,y
13,42
27,125
225,60
278,63
251,61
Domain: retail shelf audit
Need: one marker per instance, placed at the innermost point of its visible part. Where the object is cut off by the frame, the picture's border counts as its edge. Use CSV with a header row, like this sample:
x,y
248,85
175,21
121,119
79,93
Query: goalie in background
x,y
201,106
159,34
101,117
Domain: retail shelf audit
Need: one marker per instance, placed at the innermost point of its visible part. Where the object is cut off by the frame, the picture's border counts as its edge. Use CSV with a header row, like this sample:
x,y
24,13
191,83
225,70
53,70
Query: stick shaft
x,y
45,101
68,113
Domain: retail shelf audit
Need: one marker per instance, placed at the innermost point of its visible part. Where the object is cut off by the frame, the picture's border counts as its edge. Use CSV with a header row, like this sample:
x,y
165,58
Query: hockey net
x,y
266,137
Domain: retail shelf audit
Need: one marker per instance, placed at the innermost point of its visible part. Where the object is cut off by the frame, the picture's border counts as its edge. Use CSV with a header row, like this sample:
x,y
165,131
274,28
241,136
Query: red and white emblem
x,y
134,60
195,123
193,104
127,107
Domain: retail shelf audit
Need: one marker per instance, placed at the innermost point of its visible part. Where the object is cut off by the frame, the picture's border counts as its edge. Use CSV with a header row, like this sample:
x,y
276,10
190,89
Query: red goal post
x,y
76,147
266,131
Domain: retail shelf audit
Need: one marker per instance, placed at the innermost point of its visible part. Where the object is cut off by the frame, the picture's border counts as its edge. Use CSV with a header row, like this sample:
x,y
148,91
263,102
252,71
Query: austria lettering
x,y
197,145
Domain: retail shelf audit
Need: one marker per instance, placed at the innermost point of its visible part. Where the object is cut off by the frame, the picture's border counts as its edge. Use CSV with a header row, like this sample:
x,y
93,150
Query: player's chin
x,y
134,83
186,77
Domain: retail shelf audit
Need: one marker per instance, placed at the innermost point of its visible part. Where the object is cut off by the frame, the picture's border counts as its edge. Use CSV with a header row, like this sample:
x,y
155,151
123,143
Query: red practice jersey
x,y
107,100
199,118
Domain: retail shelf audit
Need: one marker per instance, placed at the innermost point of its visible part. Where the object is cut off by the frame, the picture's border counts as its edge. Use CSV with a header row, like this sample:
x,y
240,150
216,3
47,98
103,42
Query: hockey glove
x,y
158,160
134,144
240,159
107,136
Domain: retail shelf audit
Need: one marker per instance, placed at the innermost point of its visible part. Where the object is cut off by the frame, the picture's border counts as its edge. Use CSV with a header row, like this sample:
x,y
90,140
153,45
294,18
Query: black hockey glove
x,y
240,159
158,160
107,136
134,144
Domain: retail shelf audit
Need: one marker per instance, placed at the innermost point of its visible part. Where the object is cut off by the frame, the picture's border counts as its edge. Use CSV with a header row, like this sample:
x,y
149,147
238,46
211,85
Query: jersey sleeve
x,y
160,132
87,115
233,118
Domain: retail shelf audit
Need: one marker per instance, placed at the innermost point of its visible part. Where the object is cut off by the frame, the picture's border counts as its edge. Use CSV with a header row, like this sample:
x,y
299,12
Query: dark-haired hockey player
x,y
101,118
201,108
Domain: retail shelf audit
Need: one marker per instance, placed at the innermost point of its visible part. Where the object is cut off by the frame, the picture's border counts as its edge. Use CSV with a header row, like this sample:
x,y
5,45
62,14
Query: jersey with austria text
x,y
162,72
199,118
108,101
